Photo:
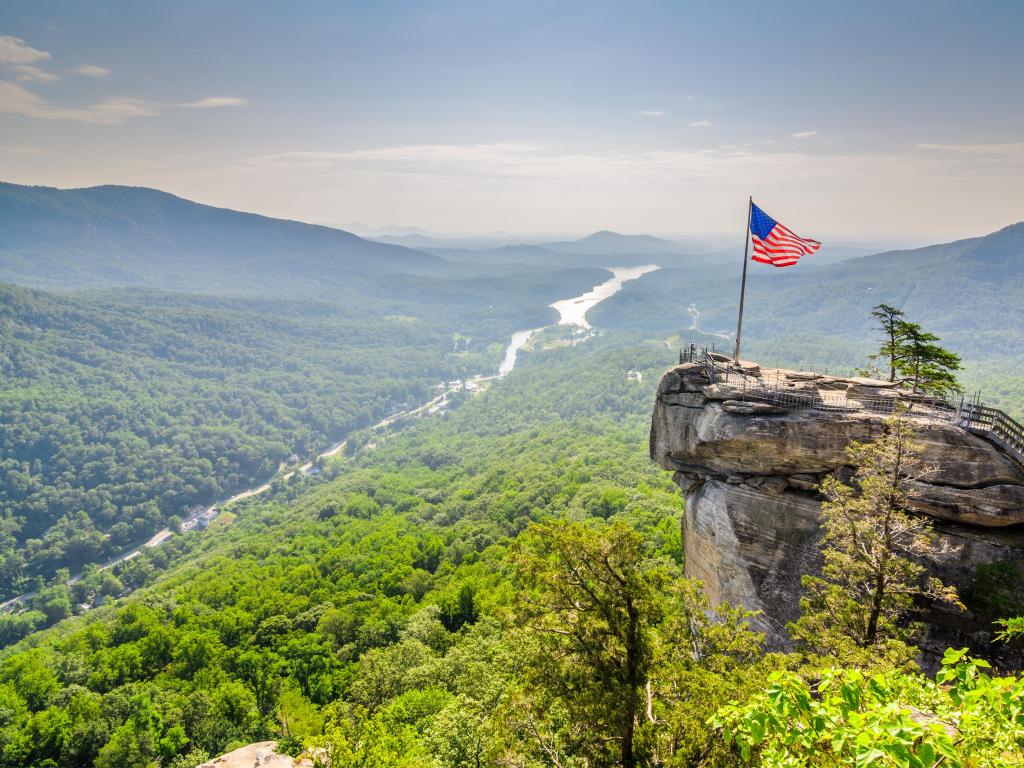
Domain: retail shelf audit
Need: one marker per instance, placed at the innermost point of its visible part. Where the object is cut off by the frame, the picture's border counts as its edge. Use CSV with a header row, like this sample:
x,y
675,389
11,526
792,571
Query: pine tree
x,y
892,344
912,355
926,366
857,609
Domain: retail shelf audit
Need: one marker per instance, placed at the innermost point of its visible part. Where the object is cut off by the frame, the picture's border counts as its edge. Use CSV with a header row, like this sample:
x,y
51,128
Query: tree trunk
x,y
892,353
628,760
876,610
633,681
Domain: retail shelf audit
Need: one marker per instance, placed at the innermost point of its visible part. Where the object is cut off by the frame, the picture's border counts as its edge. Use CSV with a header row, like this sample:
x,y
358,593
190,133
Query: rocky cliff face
x,y
750,469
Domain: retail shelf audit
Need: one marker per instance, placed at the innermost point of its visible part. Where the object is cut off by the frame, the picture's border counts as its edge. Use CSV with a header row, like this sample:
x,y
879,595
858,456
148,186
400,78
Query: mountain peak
x,y
606,243
607,235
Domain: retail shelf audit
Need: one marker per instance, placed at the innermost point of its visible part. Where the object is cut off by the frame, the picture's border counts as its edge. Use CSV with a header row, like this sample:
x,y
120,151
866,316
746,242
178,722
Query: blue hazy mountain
x,y
114,235
607,243
603,248
967,291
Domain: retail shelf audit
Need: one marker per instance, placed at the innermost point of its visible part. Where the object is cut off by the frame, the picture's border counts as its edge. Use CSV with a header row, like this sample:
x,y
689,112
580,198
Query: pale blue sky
x,y
855,119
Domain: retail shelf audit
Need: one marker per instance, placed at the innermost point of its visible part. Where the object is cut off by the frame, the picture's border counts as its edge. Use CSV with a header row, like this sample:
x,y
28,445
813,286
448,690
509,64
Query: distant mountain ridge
x,y
116,235
967,291
431,243
1002,250
608,243
604,248
599,249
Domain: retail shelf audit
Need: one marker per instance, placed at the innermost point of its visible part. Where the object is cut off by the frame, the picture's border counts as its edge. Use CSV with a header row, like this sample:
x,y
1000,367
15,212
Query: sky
x,y
854,119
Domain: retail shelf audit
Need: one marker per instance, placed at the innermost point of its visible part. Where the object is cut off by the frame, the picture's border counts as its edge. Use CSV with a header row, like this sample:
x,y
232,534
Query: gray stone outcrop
x,y
750,461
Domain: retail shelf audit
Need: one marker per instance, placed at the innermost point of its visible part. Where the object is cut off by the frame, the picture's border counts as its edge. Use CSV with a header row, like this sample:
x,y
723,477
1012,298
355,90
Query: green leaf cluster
x,y
962,718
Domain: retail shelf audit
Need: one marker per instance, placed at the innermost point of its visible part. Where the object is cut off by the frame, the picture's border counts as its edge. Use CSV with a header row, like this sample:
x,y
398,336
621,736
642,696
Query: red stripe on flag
x,y
782,242
782,247
783,231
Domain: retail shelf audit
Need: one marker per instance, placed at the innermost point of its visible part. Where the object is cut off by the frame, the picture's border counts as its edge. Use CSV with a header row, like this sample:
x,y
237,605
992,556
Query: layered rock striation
x,y
749,452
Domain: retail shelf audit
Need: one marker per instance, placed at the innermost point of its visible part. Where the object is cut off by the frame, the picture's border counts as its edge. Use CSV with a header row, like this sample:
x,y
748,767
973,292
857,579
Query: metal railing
x,y
996,425
991,423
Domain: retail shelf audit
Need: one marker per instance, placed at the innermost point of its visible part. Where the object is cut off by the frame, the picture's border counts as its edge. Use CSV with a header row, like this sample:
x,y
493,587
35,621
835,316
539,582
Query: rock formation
x,y
749,451
262,754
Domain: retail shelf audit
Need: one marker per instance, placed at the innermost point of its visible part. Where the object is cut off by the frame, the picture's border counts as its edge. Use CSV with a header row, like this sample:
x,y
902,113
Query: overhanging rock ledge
x,y
749,466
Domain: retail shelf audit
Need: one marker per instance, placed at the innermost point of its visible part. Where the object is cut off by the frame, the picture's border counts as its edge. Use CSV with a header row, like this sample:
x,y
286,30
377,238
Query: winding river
x,y
570,312
574,311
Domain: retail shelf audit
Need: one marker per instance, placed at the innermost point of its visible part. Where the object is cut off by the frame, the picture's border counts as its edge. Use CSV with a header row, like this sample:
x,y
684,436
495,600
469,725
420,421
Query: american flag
x,y
775,244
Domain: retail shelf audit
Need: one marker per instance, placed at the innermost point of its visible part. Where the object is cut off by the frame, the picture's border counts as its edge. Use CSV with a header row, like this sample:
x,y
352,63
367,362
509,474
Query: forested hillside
x,y
378,401
120,410
373,599
110,235
498,585
394,614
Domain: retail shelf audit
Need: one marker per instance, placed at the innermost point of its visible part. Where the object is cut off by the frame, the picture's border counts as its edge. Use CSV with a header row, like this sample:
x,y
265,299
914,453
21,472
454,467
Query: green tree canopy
x,y
961,718
616,630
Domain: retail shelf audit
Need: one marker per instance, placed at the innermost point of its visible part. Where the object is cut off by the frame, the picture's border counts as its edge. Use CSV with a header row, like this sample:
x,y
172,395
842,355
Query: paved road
x,y
211,511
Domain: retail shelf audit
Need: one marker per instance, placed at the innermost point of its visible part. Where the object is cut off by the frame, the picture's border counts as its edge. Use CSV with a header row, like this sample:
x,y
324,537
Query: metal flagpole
x,y
743,284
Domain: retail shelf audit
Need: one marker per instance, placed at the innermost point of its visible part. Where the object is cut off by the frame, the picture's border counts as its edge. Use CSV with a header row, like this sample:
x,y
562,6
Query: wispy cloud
x,y
448,160
28,72
14,50
214,101
14,99
538,181
471,164
803,135
652,113
20,59
701,124
995,159
22,150
467,166
1008,150
91,70
116,110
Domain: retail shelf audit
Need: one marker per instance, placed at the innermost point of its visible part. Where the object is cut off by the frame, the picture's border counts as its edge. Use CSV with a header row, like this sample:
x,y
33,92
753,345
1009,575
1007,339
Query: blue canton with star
x,y
761,224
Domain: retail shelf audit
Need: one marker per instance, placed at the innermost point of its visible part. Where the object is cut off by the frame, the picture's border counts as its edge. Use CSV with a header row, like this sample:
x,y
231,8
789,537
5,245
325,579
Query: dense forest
x,y
409,609
499,584
120,410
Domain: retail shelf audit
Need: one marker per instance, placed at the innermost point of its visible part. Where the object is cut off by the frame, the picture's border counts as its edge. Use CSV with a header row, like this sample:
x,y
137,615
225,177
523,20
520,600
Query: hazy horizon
x,y
883,124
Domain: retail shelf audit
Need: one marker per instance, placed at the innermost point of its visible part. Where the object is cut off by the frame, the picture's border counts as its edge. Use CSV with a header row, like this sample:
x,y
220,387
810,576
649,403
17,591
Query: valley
x,y
572,312
232,517
372,392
